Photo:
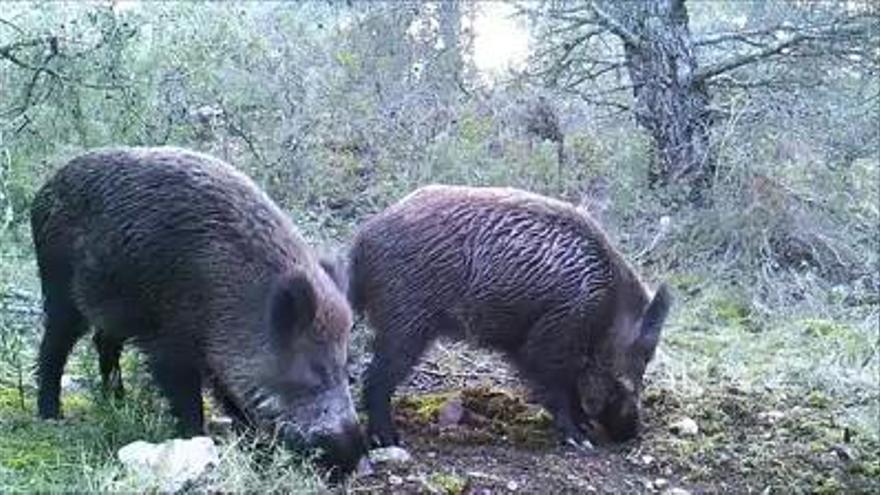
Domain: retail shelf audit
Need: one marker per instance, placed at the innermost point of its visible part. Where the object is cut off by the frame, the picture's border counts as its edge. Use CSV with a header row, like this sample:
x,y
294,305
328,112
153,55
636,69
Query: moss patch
x,y
449,484
421,409
489,415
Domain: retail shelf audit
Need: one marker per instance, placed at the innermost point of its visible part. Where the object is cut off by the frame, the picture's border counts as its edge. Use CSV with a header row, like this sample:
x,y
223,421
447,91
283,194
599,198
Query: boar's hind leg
x,y
64,326
396,350
109,350
179,378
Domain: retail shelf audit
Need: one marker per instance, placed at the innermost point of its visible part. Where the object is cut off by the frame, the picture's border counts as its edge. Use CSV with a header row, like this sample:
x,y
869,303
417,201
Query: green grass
x,y
69,454
78,453
715,337
727,365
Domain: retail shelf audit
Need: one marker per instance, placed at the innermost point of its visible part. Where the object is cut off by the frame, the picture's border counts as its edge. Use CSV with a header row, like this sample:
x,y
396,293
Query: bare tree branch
x,y
8,53
12,25
746,36
615,26
796,40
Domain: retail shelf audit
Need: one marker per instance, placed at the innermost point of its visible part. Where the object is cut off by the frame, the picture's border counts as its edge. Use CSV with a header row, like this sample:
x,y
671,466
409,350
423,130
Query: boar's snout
x,y
341,451
328,423
621,420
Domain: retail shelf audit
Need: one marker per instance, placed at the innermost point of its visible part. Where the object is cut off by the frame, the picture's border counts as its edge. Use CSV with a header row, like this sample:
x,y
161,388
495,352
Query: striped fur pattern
x,y
527,275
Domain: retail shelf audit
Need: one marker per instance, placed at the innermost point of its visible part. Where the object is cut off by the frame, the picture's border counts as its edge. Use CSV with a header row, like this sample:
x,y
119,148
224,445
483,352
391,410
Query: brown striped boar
x,y
523,274
189,260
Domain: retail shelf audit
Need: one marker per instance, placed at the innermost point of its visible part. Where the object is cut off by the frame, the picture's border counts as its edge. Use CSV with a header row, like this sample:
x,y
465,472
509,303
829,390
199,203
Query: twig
x,y
615,26
459,374
10,24
661,233
17,294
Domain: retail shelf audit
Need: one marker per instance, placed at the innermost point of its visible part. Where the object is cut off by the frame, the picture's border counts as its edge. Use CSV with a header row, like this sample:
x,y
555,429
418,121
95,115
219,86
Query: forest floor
x,y
476,433
785,403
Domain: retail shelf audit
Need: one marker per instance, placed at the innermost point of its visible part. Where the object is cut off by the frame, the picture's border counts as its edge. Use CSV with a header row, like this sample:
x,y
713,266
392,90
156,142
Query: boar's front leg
x,y
397,348
547,362
176,372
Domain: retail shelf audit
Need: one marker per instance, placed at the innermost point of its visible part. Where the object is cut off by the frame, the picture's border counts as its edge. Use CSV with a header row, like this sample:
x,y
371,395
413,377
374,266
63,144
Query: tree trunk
x,y
670,103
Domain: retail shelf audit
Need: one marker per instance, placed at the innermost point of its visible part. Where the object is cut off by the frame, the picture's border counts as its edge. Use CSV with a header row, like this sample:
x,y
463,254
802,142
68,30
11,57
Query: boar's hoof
x,y
581,445
383,437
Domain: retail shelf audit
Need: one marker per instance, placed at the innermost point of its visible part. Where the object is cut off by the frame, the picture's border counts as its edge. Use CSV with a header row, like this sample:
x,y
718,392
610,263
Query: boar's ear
x,y
652,323
291,306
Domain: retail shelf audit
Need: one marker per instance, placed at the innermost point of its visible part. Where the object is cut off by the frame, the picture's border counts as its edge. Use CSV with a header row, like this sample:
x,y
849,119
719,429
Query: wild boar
x,y
182,255
523,274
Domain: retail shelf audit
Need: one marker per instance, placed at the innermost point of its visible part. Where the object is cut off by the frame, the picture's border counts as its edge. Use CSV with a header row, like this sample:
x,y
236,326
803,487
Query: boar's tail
x,y
41,207
356,278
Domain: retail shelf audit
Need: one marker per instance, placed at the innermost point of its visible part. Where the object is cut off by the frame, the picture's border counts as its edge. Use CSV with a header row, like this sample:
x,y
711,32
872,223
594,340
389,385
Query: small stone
x,y
365,467
647,460
450,413
482,475
390,456
685,427
394,480
512,485
771,417
73,383
171,464
676,491
660,483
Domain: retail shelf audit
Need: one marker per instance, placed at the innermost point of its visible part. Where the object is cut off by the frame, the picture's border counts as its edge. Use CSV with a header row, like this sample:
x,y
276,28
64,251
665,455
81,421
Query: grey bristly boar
x,y
188,259
530,276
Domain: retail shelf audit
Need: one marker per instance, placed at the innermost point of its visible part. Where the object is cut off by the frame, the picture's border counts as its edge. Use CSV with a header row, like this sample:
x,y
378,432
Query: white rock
x,y
512,485
364,467
395,480
169,465
676,491
685,427
72,383
390,455
660,483
771,417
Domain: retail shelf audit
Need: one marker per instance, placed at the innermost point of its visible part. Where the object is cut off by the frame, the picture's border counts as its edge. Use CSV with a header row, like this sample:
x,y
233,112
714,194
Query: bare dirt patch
x,y
480,434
